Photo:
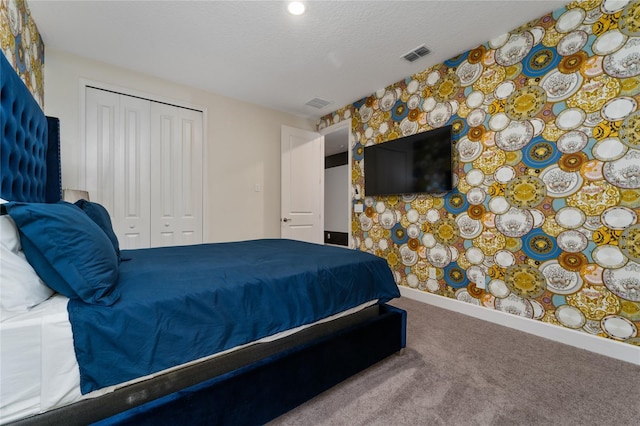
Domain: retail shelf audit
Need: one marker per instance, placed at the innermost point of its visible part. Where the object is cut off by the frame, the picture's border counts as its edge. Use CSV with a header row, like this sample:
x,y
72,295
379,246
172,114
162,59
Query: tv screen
x,y
420,163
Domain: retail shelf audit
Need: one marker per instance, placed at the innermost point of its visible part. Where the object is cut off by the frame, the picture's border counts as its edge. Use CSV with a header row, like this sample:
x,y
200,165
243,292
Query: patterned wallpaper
x,y
22,45
543,222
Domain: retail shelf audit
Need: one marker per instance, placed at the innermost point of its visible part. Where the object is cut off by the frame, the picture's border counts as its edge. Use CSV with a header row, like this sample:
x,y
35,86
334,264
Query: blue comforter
x,y
179,304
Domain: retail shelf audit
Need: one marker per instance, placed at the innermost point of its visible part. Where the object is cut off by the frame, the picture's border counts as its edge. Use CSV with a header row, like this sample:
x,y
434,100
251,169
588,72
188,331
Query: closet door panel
x,y
117,162
132,204
102,123
191,192
176,175
164,136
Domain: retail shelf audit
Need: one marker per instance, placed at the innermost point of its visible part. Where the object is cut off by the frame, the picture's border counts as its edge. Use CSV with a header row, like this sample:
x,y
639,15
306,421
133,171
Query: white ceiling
x,y
255,51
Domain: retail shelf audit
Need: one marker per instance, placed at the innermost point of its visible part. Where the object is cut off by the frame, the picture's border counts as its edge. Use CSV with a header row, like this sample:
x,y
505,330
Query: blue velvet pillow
x,y
68,250
100,216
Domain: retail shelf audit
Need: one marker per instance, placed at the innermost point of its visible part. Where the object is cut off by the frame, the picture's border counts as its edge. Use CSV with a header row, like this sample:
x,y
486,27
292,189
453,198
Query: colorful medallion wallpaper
x,y
22,45
543,222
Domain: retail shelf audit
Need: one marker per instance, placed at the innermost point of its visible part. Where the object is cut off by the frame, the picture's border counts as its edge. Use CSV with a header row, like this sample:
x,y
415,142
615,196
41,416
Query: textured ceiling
x,y
255,51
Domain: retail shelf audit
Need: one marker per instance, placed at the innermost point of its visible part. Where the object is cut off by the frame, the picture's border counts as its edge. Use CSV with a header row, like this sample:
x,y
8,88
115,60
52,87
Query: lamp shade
x,y
73,195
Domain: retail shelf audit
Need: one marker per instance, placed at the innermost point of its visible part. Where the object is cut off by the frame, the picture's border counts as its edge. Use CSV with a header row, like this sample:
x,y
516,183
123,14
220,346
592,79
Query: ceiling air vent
x,y
318,103
416,53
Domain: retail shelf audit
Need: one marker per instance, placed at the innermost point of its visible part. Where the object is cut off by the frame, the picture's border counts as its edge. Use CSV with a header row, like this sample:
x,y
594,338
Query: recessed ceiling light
x,y
296,8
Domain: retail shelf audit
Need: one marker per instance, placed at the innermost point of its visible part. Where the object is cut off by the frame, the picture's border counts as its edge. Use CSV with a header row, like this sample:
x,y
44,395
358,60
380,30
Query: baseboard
x,y
611,348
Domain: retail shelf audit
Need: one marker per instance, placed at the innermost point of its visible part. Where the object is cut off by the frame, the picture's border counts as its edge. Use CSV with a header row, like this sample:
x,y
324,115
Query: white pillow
x,y
20,287
9,232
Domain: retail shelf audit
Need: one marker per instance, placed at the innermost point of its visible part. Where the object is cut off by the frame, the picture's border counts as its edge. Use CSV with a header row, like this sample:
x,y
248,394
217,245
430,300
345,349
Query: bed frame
x,y
250,386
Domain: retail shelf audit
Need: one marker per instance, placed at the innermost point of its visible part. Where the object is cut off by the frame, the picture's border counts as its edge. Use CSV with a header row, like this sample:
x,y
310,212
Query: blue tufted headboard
x,y
29,144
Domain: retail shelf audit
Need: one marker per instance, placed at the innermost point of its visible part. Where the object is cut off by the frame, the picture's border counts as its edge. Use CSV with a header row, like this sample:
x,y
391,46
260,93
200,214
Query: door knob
x,y
286,219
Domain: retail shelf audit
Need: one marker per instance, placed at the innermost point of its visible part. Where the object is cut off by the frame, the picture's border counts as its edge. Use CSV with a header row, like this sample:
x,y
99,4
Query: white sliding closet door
x,y
144,163
176,174
117,162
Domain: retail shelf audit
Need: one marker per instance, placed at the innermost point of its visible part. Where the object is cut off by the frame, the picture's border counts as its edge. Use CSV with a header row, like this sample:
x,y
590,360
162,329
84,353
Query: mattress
x,y
38,368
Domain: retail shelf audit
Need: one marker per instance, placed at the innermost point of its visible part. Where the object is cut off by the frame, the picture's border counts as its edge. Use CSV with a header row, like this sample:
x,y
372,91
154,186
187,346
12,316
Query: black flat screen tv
x,y
420,163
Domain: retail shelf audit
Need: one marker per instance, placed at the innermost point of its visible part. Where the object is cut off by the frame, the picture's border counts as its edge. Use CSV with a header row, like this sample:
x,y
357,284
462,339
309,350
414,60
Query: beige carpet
x,y
458,370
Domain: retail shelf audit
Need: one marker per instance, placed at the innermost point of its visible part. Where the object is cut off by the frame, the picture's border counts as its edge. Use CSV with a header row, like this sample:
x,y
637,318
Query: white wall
x,y
243,143
336,199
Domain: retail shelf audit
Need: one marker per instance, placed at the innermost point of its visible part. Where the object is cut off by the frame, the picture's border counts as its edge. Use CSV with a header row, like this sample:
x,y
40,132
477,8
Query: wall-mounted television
x,y
420,163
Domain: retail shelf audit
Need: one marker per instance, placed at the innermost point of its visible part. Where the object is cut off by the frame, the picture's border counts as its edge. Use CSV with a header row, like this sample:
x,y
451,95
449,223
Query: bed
x,y
148,342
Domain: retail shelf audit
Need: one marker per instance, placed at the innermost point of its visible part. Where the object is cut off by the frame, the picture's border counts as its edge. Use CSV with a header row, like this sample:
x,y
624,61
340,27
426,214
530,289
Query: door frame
x,y
83,83
350,142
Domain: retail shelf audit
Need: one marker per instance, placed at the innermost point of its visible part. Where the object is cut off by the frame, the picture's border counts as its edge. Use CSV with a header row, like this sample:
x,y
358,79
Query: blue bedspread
x,y
179,304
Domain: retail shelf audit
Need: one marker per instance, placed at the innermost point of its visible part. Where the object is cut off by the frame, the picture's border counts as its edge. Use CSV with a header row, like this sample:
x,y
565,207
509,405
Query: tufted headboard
x,y
29,144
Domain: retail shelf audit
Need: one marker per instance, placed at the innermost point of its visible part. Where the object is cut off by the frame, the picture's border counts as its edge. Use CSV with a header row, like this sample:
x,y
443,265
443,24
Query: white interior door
x,y
117,162
302,185
176,176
